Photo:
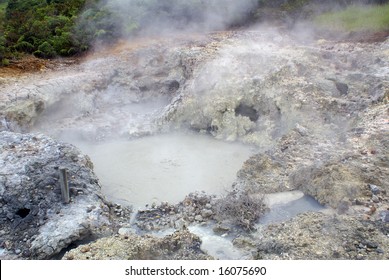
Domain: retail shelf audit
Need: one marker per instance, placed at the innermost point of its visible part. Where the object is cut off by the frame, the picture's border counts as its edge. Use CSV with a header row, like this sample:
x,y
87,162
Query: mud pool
x,y
286,205
165,167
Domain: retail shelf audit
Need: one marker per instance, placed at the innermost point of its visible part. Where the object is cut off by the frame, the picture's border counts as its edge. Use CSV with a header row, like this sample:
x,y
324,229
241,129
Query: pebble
x,y
301,130
385,216
375,199
374,189
199,218
360,257
90,208
358,202
18,251
221,229
85,249
371,245
380,251
125,231
148,228
206,213
180,224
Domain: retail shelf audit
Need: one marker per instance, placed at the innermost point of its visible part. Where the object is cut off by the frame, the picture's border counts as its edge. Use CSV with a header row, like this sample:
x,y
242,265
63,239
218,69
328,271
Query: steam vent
x,y
209,136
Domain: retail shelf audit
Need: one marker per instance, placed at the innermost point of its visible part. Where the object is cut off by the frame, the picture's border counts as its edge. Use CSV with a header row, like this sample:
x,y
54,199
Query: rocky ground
x,y
182,245
318,110
36,223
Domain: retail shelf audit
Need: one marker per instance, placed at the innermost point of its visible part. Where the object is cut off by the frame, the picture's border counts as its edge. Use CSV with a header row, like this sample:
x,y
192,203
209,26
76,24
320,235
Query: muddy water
x,y
219,247
165,167
282,207
286,205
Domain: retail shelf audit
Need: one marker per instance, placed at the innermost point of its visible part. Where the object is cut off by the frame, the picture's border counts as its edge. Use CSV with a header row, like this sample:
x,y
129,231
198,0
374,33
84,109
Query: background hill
x,y
51,28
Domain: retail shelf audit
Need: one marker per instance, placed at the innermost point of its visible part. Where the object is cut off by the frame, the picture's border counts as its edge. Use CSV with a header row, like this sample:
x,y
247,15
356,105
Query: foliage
x,y
46,28
356,18
41,27
95,24
49,28
294,5
3,41
4,62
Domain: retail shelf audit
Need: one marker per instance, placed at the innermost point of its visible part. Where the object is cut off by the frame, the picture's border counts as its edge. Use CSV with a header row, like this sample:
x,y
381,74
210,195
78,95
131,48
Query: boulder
x,y
36,223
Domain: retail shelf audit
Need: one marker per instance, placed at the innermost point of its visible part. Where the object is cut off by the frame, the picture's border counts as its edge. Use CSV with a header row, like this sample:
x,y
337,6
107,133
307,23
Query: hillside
x,y
57,28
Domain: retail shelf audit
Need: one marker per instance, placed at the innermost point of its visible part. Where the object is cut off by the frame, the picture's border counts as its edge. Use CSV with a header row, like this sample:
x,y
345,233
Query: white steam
x,y
163,17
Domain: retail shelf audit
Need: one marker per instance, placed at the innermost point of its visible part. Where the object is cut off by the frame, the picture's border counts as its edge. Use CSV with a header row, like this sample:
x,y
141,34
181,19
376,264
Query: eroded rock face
x,y
113,94
261,85
36,224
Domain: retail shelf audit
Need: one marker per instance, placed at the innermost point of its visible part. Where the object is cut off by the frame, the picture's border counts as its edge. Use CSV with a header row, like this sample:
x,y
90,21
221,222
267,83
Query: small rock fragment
x,y
374,189
198,218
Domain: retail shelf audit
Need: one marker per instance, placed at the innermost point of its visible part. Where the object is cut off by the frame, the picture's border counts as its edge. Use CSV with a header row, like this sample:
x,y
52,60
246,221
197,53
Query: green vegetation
x,y
46,28
293,5
356,18
3,50
49,28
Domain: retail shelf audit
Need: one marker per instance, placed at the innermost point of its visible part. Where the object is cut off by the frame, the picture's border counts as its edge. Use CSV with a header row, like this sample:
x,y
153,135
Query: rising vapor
x,y
162,17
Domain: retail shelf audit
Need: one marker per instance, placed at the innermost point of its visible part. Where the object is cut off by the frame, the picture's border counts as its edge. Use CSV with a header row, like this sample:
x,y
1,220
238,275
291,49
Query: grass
x,y
356,18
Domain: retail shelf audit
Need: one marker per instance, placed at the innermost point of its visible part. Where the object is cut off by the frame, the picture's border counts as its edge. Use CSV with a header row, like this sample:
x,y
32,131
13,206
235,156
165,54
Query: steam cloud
x,y
161,17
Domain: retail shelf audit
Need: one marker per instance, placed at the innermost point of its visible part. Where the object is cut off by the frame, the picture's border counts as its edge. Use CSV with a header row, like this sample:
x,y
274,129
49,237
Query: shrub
x,y
62,43
24,46
4,62
45,50
241,208
41,27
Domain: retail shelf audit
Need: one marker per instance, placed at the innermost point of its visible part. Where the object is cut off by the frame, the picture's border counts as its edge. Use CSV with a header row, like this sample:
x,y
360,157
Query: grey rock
x,y
374,189
206,213
221,228
27,161
384,216
380,251
342,88
301,129
370,244
180,224
126,231
375,199
198,218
